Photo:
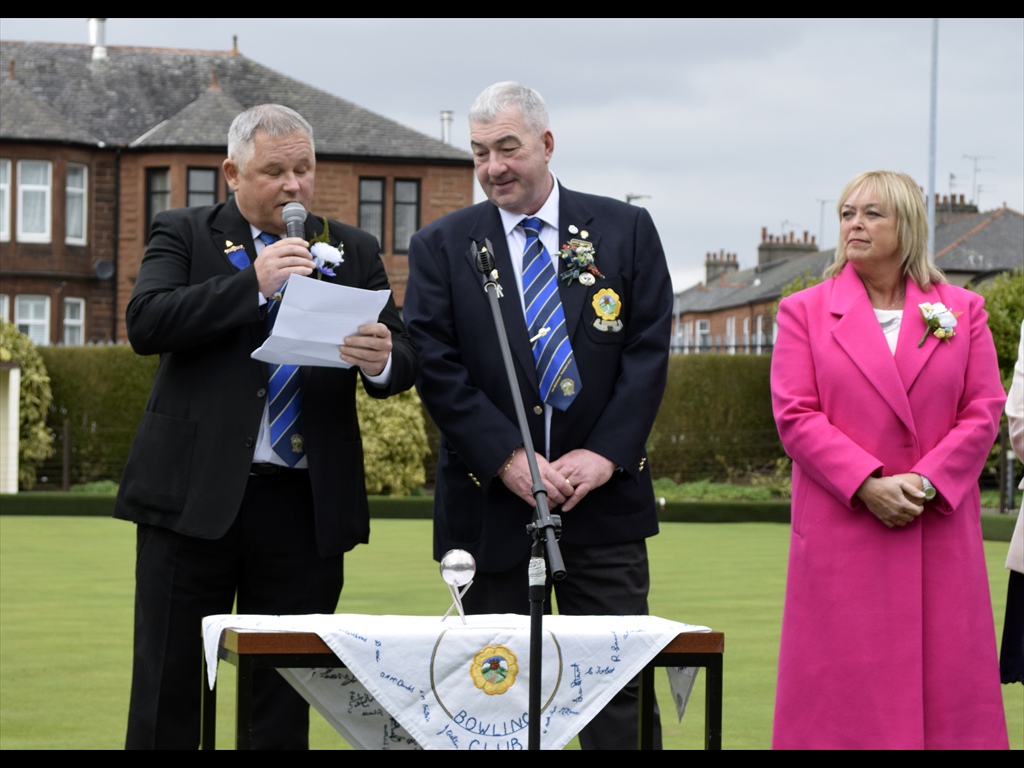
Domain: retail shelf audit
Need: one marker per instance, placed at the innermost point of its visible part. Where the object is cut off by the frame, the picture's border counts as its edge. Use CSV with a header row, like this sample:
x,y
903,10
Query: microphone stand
x,y
545,526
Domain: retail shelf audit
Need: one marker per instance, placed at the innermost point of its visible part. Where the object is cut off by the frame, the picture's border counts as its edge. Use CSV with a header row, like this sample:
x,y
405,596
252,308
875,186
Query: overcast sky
x,y
728,125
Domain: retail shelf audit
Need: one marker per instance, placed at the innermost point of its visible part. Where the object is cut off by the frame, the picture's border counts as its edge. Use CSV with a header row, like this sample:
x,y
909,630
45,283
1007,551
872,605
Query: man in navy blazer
x,y
617,303
220,514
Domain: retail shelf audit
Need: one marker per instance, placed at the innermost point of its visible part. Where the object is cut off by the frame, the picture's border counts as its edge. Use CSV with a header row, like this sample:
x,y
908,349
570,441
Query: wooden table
x,y
249,651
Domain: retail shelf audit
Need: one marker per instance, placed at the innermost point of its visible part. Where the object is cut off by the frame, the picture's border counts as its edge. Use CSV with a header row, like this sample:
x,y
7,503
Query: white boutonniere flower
x,y
326,256
939,320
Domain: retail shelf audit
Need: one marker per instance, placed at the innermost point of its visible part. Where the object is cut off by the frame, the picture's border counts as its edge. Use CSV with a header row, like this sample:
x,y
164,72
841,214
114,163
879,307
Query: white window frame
x,y
76,196
405,216
157,200
36,328
5,307
74,324
759,333
371,210
730,333
5,200
200,197
702,332
46,190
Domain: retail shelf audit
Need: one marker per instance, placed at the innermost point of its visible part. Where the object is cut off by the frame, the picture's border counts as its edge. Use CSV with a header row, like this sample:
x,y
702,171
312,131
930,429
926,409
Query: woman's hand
x,y
895,500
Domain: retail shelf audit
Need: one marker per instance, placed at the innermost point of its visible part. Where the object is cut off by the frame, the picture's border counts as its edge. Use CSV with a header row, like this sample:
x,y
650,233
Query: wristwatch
x,y
928,488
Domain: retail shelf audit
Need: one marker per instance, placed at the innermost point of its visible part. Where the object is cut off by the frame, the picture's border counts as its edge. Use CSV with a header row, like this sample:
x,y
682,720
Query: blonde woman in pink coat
x,y
887,397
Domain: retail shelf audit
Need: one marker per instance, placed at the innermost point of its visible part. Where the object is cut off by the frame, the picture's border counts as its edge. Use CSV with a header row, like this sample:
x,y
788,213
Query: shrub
x,y
1004,302
394,442
102,391
34,440
715,420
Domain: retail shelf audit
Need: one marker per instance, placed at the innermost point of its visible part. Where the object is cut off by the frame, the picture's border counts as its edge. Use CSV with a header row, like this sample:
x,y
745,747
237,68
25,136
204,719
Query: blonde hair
x,y
901,193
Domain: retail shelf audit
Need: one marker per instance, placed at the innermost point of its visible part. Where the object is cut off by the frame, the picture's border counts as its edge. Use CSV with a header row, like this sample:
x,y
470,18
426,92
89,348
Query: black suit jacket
x,y
190,461
464,386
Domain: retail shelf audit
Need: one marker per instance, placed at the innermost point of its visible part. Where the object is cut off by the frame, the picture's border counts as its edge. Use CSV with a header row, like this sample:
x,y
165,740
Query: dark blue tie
x,y
557,375
285,406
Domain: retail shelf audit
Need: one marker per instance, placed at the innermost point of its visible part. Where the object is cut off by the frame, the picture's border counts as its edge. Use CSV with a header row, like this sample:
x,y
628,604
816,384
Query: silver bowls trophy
x,y
457,569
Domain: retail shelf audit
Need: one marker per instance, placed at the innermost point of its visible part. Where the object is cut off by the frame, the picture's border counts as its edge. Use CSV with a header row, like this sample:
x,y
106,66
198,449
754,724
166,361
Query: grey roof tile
x,y
203,122
747,286
982,242
25,117
128,96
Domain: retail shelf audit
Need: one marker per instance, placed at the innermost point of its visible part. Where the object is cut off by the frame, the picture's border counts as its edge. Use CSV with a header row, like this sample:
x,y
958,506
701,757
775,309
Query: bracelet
x,y
511,458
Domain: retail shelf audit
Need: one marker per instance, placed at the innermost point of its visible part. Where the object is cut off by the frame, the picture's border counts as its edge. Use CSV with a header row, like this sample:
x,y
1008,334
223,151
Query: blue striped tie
x,y
285,406
552,353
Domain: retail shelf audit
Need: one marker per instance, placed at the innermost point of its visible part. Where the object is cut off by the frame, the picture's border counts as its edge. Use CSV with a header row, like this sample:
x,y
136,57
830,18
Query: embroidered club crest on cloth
x,y
494,669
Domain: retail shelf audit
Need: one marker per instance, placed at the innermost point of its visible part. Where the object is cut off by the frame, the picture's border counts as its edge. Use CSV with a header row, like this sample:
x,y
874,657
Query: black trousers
x,y
607,580
1011,654
268,561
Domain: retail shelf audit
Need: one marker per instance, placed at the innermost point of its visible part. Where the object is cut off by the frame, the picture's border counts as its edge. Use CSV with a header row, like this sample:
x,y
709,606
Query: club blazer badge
x,y
607,305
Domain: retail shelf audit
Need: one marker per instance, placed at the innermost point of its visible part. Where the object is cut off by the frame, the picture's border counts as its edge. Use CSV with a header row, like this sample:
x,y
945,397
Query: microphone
x,y
484,259
486,267
294,216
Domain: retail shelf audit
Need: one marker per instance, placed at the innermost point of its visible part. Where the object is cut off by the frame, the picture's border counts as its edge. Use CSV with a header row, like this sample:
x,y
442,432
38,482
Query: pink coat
x,y
887,634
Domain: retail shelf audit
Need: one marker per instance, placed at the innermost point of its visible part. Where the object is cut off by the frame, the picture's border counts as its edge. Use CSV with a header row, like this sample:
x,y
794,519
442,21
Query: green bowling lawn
x,y
66,622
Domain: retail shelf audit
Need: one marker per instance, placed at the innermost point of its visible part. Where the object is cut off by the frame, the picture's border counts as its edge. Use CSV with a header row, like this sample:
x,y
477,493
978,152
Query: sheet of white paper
x,y
314,317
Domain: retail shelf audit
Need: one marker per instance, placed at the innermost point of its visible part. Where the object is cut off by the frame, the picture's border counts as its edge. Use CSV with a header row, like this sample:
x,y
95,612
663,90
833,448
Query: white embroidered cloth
x,y
414,682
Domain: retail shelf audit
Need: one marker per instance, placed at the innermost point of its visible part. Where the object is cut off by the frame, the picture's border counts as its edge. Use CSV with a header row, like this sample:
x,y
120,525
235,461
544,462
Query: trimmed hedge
x,y
994,527
715,419
57,504
103,390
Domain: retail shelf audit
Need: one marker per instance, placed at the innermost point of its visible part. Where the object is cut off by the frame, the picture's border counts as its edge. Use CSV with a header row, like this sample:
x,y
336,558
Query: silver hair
x,y
273,120
507,95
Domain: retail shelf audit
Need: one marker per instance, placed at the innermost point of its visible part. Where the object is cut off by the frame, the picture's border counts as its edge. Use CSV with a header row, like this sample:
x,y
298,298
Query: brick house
x,y
733,310
95,140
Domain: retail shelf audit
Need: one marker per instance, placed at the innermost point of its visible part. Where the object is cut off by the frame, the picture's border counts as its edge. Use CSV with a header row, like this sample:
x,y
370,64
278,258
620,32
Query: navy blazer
x,y
190,461
465,389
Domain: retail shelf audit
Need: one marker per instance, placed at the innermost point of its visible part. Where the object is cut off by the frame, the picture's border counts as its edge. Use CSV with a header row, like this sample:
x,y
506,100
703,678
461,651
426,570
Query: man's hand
x,y
289,256
369,349
585,471
517,479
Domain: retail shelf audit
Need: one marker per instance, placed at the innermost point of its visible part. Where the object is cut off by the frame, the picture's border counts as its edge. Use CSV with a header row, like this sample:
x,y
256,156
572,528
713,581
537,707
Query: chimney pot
x,y
97,39
446,126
